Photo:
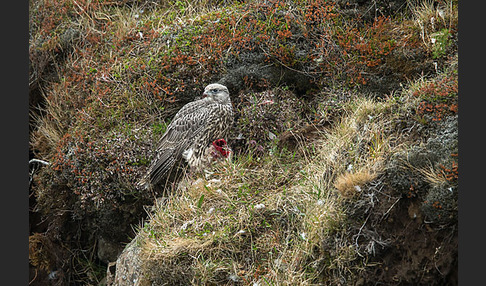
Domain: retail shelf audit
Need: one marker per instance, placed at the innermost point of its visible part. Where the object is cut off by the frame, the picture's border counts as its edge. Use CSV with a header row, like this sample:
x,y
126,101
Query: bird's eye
x,y
214,90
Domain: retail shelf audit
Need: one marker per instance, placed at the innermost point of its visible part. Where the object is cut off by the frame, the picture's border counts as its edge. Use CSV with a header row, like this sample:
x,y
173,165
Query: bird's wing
x,y
187,124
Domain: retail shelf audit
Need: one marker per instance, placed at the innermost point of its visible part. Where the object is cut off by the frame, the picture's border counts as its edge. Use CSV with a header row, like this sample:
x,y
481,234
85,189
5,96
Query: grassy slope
x,y
263,223
288,218
108,76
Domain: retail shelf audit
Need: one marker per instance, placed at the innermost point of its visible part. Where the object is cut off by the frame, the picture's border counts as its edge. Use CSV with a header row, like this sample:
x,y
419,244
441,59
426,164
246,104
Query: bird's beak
x,y
204,95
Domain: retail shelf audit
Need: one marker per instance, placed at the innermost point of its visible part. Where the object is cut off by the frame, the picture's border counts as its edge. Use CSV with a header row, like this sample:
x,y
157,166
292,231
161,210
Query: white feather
x,y
187,154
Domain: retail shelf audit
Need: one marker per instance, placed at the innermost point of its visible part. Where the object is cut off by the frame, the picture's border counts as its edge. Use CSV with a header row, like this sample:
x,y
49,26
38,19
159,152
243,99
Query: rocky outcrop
x,y
126,270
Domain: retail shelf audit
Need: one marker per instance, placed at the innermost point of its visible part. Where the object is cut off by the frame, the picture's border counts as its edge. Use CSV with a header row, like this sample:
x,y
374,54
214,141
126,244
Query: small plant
x,y
451,173
440,43
436,22
439,97
159,128
440,205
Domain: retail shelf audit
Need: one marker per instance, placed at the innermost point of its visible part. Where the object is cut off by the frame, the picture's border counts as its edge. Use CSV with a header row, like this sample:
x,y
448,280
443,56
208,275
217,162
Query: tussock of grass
x,y
236,227
435,177
348,184
436,22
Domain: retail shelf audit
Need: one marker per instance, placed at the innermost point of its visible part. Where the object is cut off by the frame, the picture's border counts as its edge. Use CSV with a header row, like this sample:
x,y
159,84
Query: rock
x,y
107,250
127,269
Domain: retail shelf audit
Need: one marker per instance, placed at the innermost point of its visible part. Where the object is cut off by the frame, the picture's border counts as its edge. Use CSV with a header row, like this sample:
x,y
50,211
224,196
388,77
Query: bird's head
x,y
222,147
217,92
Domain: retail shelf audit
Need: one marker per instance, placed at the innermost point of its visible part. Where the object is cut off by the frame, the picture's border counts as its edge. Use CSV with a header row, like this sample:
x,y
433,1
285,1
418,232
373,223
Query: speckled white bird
x,y
194,129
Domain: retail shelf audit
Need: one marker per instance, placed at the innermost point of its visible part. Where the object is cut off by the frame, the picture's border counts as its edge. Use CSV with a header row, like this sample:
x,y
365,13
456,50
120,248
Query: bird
x,y
197,126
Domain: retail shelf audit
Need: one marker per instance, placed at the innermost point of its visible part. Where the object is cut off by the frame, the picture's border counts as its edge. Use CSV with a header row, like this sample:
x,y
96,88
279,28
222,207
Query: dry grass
x,y
434,19
348,184
229,227
435,177
39,249
50,129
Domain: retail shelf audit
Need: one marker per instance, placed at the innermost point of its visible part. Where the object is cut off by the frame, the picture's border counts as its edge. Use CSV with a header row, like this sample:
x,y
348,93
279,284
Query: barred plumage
x,y
191,132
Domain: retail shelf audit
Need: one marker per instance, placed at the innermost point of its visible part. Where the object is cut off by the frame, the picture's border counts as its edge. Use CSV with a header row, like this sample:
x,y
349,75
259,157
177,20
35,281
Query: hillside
x,y
344,167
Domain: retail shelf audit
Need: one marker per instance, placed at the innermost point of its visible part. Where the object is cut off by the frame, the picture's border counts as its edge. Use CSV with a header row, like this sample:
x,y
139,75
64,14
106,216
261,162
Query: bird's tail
x,y
158,169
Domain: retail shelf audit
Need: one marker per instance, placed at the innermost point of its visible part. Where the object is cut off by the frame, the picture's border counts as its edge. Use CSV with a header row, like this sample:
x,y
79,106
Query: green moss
x,y
441,43
159,128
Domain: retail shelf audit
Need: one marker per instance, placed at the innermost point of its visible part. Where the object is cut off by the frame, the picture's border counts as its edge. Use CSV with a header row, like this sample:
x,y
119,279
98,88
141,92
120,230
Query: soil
x,y
418,254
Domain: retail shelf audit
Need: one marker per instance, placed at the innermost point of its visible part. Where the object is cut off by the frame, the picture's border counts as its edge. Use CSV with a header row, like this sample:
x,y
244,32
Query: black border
x,y
15,142
471,143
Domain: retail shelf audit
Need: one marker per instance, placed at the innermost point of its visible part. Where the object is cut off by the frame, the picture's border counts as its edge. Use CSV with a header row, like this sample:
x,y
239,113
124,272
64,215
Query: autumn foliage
x,y
438,97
